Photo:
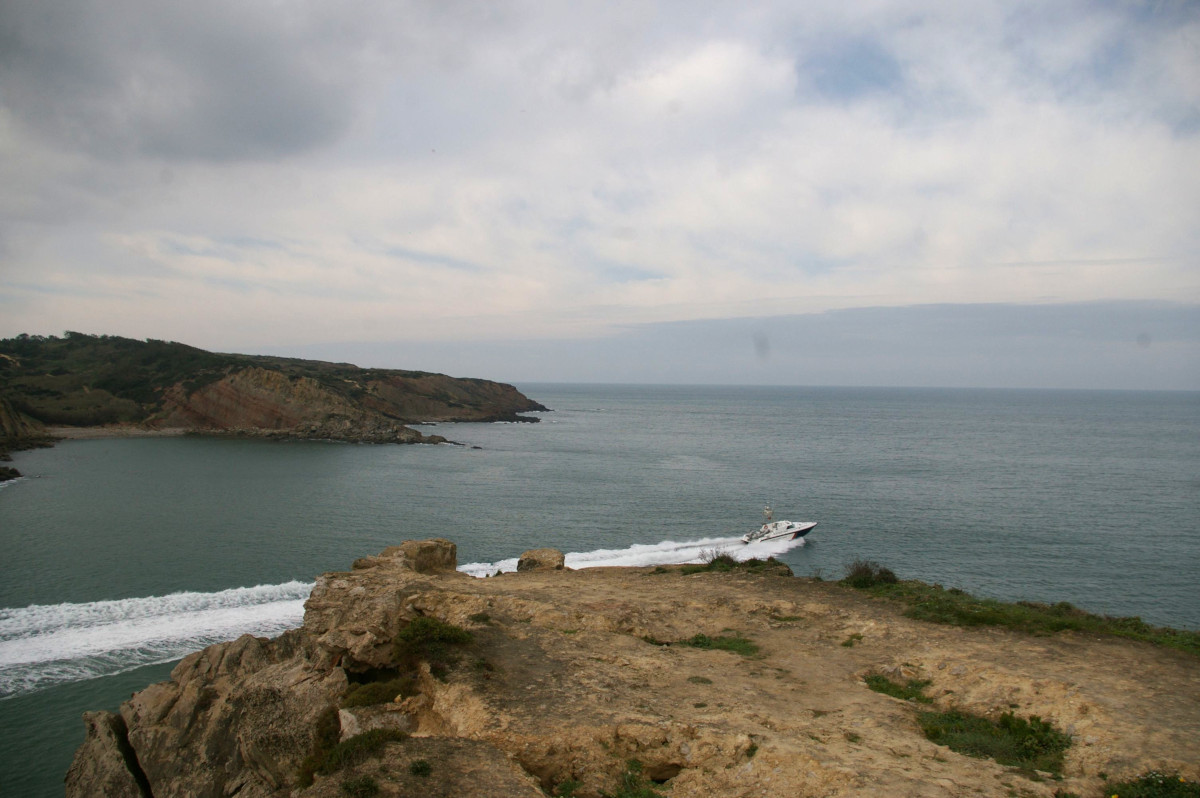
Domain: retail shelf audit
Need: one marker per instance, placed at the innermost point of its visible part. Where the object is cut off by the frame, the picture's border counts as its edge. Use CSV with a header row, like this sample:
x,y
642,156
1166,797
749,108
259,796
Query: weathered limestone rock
x,y
427,556
541,560
104,764
570,674
235,717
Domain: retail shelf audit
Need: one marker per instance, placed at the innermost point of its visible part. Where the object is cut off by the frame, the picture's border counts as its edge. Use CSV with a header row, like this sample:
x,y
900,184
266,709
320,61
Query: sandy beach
x,y
113,431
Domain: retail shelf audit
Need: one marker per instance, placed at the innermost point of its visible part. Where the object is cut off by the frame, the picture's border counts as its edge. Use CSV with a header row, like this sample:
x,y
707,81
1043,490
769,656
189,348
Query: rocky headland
x,y
410,678
18,431
109,385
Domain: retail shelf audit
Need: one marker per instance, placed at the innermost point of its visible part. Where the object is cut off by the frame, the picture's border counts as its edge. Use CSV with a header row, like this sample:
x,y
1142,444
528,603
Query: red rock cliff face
x,y
254,398
263,401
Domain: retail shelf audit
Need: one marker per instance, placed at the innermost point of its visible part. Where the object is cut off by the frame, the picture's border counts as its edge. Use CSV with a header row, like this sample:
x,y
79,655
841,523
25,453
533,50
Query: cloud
x,y
239,175
208,81
1103,345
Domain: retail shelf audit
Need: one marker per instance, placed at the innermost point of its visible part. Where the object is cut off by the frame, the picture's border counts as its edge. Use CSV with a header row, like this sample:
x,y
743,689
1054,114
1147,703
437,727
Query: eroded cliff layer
x,y
548,679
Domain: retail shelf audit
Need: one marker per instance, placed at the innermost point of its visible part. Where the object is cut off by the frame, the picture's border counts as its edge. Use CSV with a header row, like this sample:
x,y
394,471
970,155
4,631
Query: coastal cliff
x,y
17,431
92,381
410,678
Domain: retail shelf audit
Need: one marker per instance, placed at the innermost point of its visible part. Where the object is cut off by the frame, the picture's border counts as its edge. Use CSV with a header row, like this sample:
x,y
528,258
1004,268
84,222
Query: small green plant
x,y
360,787
1031,744
420,767
700,704
912,690
719,562
566,788
352,751
634,784
326,732
427,639
359,748
480,617
851,640
752,750
852,737
866,573
373,693
1154,784
734,643
699,680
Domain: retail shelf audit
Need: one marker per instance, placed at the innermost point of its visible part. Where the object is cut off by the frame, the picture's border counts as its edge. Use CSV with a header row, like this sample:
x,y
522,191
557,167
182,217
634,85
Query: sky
x,y
996,194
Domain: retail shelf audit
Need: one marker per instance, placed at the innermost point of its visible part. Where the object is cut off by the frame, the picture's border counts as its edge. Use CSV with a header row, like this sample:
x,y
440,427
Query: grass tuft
x,y
1031,744
420,767
734,643
358,749
913,690
719,562
427,639
634,784
1154,784
373,693
567,788
360,787
329,756
866,573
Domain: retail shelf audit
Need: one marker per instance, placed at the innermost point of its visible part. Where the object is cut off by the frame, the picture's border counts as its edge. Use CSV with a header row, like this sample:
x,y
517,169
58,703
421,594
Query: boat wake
x,y
46,645
668,552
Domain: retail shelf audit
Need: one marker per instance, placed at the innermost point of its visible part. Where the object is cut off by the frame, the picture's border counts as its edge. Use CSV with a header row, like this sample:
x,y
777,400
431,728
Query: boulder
x,y
541,560
426,556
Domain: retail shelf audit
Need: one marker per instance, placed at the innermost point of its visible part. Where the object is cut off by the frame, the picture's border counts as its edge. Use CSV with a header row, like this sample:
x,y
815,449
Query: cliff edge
x,y
410,678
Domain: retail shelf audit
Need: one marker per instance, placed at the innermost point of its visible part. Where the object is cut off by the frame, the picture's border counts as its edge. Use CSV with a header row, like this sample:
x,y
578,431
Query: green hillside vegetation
x,y
955,607
89,380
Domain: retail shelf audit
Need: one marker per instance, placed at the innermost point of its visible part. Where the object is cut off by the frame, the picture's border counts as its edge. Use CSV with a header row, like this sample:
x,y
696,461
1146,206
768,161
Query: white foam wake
x,y
44,645
668,552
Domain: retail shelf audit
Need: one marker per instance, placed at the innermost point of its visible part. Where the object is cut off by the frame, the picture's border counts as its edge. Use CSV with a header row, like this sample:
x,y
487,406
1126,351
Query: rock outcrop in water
x,y
88,381
569,675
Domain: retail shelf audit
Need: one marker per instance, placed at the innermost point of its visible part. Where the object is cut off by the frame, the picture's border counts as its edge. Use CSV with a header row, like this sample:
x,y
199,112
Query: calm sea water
x,y
121,555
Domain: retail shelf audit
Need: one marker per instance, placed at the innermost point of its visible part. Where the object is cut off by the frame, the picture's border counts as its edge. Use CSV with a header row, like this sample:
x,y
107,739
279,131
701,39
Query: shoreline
x,y
94,433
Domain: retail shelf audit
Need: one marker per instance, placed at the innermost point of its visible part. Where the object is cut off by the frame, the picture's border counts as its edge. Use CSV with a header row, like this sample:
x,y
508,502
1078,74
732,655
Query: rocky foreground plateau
x,y
568,676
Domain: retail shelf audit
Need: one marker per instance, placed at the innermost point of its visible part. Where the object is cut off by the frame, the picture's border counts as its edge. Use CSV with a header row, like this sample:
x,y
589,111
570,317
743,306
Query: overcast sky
x,y
865,193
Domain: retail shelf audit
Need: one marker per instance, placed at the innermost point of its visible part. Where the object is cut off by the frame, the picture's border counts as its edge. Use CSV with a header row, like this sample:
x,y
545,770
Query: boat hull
x,y
775,530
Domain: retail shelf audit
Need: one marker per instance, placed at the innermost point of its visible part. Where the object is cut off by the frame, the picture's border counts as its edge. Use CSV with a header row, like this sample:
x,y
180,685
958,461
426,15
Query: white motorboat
x,y
773,530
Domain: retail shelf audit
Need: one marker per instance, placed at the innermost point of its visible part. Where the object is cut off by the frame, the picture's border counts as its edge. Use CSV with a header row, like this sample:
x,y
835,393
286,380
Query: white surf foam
x,y
44,645
668,552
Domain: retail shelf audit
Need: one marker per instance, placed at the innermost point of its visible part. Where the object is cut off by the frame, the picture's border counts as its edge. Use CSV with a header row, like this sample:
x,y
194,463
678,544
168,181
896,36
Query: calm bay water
x,y
120,555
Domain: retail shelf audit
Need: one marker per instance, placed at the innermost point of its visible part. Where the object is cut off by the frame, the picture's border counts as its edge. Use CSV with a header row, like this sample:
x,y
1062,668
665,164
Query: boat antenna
x,y
769,514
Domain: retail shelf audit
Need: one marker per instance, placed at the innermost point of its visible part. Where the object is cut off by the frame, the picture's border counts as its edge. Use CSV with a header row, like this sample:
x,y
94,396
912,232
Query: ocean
x,y
121,555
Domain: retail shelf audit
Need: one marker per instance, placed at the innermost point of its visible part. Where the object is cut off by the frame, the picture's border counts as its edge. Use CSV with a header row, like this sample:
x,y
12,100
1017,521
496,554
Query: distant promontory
x,y
50,384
